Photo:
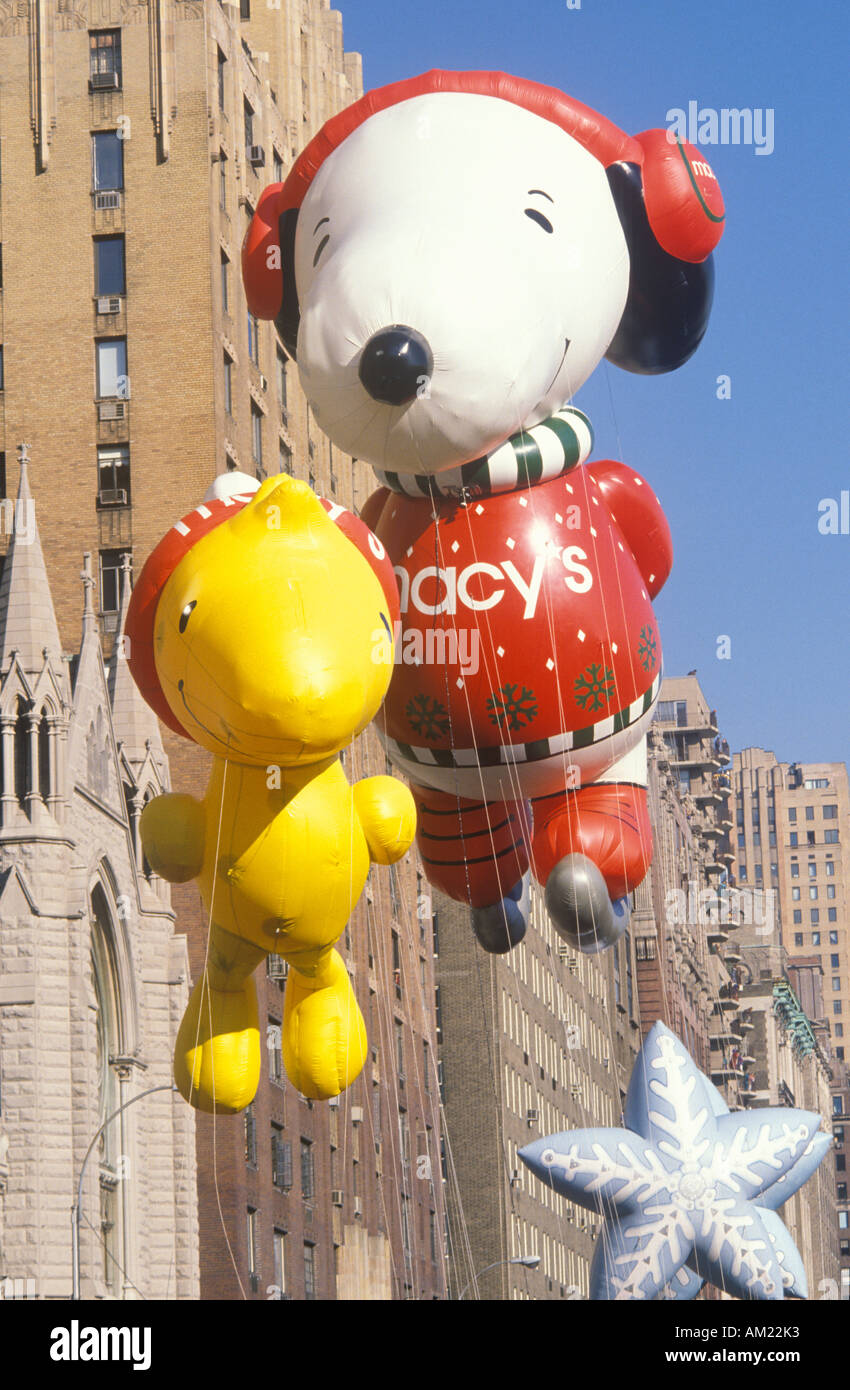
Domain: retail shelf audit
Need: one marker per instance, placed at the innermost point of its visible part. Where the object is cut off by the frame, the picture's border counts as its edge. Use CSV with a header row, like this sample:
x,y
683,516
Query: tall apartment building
x,y
531,1043
841,1138
793,833
135,140
684,922
93,979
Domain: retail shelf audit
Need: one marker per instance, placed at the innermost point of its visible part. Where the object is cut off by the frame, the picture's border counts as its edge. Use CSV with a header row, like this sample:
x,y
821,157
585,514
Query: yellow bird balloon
x,y
261,628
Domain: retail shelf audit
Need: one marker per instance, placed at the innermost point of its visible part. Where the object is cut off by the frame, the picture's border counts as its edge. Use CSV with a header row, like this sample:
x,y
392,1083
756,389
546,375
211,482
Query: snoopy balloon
x,y
251,631
448,261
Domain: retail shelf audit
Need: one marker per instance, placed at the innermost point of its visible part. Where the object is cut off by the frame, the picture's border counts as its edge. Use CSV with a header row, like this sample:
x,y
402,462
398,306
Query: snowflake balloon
x,y
688,1188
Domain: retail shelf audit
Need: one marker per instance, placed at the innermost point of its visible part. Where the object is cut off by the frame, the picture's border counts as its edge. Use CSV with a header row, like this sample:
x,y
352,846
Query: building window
x,y
792,815
228,384
833,935
285,457
816,938
105,58
838,1029
112,379
830,837
222,180
253,340
742,872
399,1047
279,1254
249,123
843,1220
308,1171
3,492
244,9
798,915
836,1007
281,379
281,1159
830,869
250,1137
257,433
833,960
111,565
795,870
814,915
109,278
813,870
309,1271
396,957
113,476
225,283
107,161
830,890
274,1043
813,892
277,167
830,812
836,984
222,61
795,895
252,1242
793,839
798,938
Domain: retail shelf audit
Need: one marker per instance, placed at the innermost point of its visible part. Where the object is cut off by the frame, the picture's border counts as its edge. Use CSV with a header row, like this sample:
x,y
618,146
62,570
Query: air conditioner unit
x,y
112,410
531,1116
264,385
357,1114
104,201
575,1092
337,1197
256,155
358,1206
112,497
333,1103
109,304
276,967
104,81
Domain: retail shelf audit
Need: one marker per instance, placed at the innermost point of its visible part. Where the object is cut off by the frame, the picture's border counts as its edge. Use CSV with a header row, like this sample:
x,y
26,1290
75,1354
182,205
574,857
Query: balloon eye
x,y
186,615
539,219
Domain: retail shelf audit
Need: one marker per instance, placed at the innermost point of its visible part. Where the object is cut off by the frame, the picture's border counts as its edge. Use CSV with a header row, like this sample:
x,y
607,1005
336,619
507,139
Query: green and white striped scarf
x,y
537,455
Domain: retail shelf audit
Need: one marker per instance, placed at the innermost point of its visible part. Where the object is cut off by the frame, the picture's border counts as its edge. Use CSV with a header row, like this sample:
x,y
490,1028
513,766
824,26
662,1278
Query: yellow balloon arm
x,y
172,834
388,817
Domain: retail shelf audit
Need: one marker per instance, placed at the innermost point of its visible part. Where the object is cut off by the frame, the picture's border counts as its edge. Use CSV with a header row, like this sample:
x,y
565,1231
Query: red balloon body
x,y
527,643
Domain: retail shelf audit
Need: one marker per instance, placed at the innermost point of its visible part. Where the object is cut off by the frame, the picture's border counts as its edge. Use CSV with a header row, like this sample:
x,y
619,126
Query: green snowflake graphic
x,y
593,689
647,648
428,717
517,709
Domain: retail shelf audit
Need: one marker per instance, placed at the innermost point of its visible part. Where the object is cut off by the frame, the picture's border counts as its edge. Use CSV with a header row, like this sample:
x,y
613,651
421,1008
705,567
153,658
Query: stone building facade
x,y
93,979
147,132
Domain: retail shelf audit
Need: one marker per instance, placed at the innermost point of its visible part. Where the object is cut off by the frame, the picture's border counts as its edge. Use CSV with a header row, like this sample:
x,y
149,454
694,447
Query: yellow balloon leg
x,y
217,1055
324,1037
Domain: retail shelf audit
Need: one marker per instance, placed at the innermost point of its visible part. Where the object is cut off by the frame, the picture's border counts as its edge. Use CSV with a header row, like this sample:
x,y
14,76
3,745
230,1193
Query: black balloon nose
x,y
396,365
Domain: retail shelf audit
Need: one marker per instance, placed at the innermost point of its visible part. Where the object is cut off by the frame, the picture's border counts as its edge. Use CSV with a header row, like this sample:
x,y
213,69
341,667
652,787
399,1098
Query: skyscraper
x,y
135,140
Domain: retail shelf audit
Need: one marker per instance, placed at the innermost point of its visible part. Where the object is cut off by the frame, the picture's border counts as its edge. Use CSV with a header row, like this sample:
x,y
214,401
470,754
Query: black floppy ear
x,y
669,301
289,317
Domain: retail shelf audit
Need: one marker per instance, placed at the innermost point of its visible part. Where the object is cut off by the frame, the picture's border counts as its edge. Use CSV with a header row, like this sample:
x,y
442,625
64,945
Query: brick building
x,y
130,364
531,1043
93,980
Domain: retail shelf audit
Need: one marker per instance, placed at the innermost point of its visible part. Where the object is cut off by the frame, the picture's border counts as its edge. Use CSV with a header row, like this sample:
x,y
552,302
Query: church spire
x,y
134,721
27,617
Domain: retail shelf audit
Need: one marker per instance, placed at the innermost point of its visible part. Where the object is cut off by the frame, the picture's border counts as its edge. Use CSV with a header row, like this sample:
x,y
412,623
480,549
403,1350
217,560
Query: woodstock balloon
x,y
688,1189
252,632
448,261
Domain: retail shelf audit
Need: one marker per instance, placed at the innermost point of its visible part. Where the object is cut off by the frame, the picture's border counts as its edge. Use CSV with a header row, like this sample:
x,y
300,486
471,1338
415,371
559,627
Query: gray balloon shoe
x,y
579,906
502,926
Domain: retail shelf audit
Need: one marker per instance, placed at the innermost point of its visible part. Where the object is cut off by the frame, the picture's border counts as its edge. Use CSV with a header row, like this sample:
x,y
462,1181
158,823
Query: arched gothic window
x,y
109,1044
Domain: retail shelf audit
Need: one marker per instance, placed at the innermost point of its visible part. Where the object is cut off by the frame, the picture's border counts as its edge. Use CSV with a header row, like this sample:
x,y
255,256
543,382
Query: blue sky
x,y
740,479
